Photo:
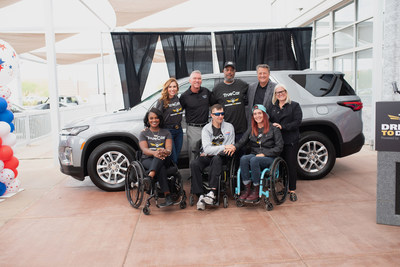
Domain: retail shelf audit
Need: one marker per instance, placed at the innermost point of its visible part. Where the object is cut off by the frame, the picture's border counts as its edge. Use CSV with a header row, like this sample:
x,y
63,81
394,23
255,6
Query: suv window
x,y
323,84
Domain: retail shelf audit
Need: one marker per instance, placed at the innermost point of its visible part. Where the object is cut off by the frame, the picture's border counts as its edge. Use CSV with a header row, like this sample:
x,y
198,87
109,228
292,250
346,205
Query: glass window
x,y
344,16
364,9
323,84
322,46
322,26
364,33
364,76
343,39
345,64
322,64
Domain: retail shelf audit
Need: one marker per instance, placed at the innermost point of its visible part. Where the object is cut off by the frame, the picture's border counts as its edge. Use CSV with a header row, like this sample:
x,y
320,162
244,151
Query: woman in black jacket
x,y
266,144
287,115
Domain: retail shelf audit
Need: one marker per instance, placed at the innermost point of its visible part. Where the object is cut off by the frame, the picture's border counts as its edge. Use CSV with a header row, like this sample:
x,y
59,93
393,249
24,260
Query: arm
x,y
297,117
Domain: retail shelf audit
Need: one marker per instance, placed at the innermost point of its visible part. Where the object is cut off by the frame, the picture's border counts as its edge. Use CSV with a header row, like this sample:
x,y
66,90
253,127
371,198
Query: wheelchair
x,y
274,180
135,188
227,180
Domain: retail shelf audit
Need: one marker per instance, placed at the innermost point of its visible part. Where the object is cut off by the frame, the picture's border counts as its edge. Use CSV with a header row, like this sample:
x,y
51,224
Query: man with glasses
x,y
215,136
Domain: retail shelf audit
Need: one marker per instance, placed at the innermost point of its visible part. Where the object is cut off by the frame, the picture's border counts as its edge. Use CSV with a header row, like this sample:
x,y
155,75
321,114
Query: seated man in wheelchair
x,y
265,143
156,144
215,136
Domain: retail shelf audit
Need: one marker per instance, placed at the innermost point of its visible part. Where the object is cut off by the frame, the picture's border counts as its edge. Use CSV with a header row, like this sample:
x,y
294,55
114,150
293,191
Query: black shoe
x,y
147,183
168,201
293,196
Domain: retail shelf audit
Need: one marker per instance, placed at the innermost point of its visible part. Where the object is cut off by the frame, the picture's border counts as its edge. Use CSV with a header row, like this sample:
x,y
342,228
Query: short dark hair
x,y
159,116
216,106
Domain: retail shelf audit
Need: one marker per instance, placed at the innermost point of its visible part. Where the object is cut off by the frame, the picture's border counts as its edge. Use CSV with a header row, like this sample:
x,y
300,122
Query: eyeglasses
x,y
219,114
280,92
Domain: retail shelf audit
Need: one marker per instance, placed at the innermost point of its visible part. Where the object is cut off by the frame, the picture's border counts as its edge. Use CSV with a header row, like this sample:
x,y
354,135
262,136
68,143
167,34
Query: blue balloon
x,y
12,127
3,104
3,188
6,116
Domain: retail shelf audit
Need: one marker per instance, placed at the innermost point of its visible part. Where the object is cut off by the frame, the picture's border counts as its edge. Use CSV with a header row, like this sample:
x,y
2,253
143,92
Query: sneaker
x,y
209,198
168,201
200,204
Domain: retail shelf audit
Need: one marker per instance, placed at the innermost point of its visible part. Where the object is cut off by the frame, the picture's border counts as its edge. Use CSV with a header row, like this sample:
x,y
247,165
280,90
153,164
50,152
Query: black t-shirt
x,y
218,137
155,140
233,97
196,105
173,113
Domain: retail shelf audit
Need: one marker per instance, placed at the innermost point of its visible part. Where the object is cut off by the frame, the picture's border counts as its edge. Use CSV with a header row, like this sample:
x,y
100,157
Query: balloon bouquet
x,y
9,183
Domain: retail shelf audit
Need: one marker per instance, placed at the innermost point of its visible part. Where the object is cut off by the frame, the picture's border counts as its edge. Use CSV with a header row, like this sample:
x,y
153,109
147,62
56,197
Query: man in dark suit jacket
x,y
261,92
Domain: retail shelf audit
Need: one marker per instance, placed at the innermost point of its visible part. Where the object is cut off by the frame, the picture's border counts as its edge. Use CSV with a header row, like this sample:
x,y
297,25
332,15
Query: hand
x,y
229,150
260,155
277,125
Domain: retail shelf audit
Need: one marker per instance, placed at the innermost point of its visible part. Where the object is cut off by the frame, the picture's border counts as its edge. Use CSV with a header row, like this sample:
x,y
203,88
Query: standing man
x,y
232,95
215,136
196,102
261,92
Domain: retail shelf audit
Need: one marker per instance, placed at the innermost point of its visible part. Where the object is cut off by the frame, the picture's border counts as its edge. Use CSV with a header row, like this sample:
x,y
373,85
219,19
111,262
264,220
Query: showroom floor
x,y
59,221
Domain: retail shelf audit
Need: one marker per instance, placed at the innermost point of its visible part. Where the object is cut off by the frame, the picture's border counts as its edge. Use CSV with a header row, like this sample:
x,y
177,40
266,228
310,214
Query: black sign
x,y
387,128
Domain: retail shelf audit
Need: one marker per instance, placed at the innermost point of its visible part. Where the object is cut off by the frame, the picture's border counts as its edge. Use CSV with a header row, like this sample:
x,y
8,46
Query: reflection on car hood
x,y
135,114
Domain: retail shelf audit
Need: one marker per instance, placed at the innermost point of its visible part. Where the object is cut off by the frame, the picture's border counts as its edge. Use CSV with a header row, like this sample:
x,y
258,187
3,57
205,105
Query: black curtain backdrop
x,y
134,53
185,52
273,47
282,49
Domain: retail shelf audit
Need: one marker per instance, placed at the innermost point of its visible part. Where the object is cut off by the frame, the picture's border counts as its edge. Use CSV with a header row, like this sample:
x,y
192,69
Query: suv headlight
x,y
74,130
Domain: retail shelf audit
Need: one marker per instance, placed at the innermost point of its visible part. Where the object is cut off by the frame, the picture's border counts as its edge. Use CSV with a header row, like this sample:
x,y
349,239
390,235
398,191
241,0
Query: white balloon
x,y
9,140
8,62
13,186
5,92
1,165
6,176
5,129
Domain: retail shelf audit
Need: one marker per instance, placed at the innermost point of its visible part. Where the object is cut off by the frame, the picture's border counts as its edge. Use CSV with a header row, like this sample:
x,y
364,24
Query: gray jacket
x,y
207,135
267,101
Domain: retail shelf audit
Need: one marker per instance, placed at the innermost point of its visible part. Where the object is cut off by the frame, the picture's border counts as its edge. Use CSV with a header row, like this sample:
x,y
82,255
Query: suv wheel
x,y
108,164
316,156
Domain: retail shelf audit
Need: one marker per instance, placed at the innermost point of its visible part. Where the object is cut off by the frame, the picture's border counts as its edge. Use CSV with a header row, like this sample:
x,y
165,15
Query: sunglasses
x,y
219,114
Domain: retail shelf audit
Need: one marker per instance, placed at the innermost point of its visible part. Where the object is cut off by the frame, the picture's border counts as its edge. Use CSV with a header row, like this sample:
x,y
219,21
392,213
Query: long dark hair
x,y
159,116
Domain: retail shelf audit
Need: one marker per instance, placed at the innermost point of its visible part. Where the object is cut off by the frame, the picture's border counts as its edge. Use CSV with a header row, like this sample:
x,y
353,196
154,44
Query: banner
x,y
387,128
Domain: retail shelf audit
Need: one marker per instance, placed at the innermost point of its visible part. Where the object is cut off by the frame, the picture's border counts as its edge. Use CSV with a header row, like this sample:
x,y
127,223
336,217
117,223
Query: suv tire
x,y
316,156
108,164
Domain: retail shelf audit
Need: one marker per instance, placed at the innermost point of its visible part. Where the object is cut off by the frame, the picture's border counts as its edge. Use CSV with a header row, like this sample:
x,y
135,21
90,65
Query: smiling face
x,y
154,121
172,89
280,94
195,81
263,76
229,74
258,116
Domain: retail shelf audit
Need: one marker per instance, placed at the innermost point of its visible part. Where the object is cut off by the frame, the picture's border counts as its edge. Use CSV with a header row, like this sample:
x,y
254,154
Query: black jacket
x,y
270,144
289,117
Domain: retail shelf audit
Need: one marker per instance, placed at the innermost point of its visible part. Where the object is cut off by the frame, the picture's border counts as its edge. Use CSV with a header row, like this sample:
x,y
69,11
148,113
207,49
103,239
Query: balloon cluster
x,y
9,182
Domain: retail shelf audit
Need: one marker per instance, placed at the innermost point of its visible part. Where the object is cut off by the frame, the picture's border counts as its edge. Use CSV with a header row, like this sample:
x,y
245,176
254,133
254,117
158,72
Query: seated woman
x,y
156,144
266,144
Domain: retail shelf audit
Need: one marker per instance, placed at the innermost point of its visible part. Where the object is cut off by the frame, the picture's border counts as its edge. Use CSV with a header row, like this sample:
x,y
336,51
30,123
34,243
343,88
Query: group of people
x,y
269,127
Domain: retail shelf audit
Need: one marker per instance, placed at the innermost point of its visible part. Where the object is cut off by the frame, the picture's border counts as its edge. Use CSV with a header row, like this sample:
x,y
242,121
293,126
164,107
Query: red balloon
x,y
1,141
6,153
11,163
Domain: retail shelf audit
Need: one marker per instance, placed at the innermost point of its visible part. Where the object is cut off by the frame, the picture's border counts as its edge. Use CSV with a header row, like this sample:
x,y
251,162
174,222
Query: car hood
x,y
135,114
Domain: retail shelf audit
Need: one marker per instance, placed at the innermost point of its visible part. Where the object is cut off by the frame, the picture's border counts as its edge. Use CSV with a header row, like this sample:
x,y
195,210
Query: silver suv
x,y
102,147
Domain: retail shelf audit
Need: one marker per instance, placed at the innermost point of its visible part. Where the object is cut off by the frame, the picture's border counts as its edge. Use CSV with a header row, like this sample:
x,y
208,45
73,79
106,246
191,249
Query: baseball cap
x,y
230,63
260,107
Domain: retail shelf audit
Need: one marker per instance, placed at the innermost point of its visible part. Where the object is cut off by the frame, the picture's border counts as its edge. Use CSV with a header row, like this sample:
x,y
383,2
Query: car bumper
x,y
75,172
353,146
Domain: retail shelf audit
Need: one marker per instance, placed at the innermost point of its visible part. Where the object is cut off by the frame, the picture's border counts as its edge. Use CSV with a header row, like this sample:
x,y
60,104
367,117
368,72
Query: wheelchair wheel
x,y
269,206
225,201
146,210
182,205
134,187
233,168
191,200
279,180
239,203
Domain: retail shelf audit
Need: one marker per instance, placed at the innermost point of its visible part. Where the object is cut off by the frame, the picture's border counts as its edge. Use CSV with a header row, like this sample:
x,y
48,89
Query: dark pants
x,y
198,165
177,140
160,167
289,155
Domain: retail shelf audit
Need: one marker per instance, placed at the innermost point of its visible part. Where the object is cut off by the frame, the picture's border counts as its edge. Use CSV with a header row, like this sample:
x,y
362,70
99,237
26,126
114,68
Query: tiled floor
x,y
58,221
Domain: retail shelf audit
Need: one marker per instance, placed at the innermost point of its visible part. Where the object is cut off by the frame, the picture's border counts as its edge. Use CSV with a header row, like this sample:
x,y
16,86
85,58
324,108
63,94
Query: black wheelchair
x,y
227,179
135,187
274,180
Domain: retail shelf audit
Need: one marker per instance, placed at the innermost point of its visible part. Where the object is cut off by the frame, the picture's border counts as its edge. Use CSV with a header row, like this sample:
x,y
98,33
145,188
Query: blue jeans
x,y
256,165
177,140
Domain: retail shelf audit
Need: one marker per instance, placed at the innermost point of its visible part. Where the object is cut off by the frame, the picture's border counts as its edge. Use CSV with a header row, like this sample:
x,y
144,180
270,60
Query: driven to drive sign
x,y
387,127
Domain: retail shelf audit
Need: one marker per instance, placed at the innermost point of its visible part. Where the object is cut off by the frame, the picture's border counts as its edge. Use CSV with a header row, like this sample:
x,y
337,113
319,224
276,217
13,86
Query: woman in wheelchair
x,y
156,144
265,143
